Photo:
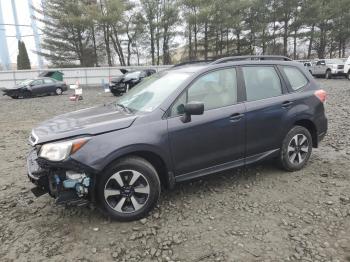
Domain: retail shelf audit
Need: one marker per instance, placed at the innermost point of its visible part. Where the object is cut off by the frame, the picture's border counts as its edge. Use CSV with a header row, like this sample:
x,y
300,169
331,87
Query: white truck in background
x,y
327,68
347,68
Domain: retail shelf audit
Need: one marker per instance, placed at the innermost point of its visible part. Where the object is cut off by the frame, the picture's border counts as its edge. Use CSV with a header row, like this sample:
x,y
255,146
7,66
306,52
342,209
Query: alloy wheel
x,y
127,191
298,149
58,91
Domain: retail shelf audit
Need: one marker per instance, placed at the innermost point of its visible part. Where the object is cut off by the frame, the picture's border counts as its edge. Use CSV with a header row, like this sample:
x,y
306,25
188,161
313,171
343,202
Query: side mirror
x,y
192,108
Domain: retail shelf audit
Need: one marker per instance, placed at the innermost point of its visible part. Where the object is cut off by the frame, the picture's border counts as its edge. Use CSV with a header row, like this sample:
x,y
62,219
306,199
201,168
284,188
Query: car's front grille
x,y
340,66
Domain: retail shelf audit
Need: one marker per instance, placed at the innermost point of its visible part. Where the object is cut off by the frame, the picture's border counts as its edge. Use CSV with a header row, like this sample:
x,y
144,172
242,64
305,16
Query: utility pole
x,y
36,35
4,52
15,18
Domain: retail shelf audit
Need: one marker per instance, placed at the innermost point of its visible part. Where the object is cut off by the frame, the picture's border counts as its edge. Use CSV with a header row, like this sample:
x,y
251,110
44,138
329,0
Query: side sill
x,y
259,157
210,170
227,166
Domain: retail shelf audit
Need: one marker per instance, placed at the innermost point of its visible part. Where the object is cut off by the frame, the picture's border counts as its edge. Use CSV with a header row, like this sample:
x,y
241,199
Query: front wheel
x,y
348,75
129,189
26,94
296,149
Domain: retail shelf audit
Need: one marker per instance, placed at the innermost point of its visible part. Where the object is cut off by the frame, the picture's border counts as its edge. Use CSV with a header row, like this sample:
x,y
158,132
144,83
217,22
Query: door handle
x,y
287,104
236,117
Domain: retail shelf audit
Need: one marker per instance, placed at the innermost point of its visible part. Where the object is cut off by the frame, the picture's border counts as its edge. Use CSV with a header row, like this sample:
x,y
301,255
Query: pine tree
x,y
19,57
67,33
26,61
23,61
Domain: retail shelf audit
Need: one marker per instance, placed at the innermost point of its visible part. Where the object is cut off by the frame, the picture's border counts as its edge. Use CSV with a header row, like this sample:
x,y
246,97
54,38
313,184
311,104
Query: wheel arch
x,y
154,157
311,127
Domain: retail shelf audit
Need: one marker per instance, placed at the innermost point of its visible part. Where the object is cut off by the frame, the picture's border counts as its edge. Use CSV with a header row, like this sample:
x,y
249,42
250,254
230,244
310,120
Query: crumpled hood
x,y
117,79
90,121
12,88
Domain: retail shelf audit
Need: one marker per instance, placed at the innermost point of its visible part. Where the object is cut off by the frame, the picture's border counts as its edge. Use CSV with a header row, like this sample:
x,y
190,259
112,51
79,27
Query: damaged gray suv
x,y
189,121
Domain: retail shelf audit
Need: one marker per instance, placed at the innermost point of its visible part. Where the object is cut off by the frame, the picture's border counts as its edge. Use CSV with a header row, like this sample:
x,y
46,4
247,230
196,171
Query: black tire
x,y
14,97
125,169
348,75
286,155
328,74
26,94
58,91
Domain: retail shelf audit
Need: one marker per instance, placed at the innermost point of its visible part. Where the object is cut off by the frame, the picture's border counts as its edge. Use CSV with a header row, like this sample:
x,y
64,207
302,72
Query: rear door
x,y
268,106
50,85
215,138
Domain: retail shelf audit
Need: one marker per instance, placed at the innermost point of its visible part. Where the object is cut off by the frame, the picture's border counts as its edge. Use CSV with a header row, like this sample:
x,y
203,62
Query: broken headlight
x,y
59,151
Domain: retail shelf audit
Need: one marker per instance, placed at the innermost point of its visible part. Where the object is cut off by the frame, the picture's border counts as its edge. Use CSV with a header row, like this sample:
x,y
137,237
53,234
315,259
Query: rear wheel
x,y
58,91
348,75
129,189
328,74
296,149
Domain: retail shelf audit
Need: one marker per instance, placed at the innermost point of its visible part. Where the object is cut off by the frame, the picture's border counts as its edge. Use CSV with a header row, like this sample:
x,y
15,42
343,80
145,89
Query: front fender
x,y
133,149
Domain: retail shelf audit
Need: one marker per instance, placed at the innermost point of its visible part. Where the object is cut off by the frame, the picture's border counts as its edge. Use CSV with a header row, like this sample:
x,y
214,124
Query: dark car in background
x,y
121,84
180,124
35,87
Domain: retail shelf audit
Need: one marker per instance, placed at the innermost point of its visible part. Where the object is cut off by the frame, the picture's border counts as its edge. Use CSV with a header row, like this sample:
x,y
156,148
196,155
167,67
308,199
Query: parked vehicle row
x,y
121,84
35,87
182,123
328,68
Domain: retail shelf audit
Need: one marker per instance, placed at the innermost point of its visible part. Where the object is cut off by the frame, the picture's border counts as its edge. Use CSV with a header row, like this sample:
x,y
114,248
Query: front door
x,y
38,87
215,138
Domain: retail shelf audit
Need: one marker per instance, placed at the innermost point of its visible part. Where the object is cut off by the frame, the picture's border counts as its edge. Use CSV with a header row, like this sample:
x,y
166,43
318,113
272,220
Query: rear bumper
x,y
321,127
64,88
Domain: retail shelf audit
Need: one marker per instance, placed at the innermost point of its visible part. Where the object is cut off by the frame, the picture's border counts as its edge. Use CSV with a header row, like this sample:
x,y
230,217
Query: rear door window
x,y
261,82
37,82
48,81
296,78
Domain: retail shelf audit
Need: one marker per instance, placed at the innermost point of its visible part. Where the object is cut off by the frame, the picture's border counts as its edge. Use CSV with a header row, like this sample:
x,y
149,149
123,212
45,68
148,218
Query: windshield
x,y
133,74
151,92
335,61
26,82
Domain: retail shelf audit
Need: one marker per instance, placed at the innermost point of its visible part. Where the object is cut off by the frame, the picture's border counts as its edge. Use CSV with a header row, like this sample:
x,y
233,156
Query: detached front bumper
x,y
67,186
36,174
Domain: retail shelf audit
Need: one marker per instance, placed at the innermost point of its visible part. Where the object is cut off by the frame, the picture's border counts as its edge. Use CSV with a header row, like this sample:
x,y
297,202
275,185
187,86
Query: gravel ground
x,y
258,213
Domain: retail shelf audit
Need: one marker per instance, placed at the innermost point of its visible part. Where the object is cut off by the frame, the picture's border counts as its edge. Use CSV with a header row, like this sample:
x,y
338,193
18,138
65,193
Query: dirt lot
x,y
256,214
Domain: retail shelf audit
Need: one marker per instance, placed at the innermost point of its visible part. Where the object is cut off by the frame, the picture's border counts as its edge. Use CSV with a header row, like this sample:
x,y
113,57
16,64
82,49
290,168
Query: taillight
x,y
321,94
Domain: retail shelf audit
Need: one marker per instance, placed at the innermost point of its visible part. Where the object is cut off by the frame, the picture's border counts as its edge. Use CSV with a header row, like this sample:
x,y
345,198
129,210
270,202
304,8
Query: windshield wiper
x,y
125,108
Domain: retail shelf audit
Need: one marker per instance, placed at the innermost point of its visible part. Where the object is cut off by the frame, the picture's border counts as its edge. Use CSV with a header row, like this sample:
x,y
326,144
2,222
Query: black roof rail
x,y
250,57
193,63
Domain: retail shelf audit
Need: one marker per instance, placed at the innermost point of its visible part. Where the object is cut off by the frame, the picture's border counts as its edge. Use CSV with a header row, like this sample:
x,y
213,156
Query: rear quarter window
x,y
295,77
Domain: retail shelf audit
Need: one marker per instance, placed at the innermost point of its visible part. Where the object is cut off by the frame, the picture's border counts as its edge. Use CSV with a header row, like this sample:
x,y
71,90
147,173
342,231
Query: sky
x,y
23,19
